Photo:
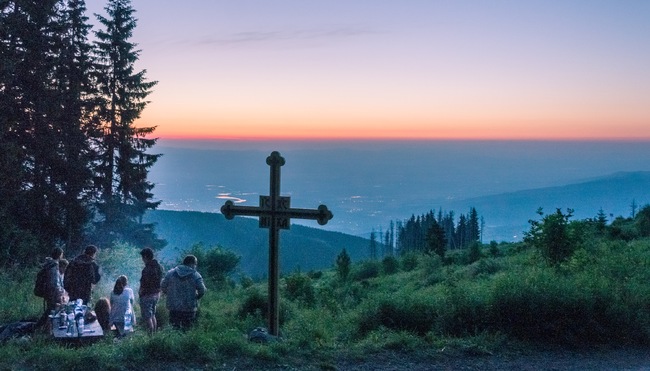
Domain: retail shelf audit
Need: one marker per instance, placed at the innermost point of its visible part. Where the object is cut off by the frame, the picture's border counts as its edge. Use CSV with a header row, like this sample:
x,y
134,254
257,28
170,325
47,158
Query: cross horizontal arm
x,y
229,210
322,215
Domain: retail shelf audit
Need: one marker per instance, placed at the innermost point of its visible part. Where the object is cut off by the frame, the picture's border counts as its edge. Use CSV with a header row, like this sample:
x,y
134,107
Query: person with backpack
x,y
48,285
80,276
150,289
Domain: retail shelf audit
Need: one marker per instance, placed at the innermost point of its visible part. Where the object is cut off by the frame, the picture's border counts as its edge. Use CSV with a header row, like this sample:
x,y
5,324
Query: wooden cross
x,y
275,213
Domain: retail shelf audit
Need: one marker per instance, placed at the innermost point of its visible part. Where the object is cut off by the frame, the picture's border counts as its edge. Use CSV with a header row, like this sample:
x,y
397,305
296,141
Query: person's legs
x,y
148,309
187,320
181,320
44,322
119,329
154,321
175,319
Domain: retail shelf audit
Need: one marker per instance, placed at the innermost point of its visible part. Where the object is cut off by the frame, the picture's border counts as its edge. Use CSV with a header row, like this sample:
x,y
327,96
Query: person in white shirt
x,y
122,300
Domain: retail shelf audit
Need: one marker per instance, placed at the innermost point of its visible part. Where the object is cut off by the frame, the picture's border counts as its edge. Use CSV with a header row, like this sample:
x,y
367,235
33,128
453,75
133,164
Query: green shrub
x,y
474,253
366,270
431,264
343,265
255,304
298,287
315,275
246,281
409,261
215,263
389,265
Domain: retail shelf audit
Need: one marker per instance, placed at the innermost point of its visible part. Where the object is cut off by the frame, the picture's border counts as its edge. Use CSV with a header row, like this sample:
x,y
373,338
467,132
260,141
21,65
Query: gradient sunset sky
x,y
483,69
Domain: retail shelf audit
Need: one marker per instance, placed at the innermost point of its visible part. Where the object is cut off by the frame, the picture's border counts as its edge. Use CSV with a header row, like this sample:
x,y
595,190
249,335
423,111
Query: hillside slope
x,y
301,247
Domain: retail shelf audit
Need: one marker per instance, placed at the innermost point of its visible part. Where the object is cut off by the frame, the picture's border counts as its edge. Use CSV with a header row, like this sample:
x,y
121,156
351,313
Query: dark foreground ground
x,y
637,358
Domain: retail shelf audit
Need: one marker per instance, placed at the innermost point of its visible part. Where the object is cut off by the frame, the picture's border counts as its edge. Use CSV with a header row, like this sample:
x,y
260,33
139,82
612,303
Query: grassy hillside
x,y
418,305
301,247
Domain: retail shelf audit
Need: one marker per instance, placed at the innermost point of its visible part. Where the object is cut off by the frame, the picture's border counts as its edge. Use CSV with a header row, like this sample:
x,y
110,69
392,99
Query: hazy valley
x,y
368,186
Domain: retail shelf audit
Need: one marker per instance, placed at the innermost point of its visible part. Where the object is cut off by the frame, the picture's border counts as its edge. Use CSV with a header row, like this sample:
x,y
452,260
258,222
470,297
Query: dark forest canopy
x,y
74,167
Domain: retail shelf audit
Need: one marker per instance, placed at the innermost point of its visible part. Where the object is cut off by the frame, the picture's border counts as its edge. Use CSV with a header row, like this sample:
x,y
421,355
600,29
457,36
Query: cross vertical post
x,y
274,213
275,162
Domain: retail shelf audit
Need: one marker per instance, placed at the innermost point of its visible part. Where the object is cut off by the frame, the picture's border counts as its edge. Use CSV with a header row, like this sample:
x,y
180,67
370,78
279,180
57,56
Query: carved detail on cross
x,y
275,213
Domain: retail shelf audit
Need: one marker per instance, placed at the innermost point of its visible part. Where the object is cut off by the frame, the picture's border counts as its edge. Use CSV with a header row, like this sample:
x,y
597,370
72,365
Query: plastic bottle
x,y
128,326
80,326
71,326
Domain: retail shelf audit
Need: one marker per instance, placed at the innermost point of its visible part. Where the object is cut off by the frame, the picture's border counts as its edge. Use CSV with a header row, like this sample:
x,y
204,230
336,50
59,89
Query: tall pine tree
x,y
77,121
124,164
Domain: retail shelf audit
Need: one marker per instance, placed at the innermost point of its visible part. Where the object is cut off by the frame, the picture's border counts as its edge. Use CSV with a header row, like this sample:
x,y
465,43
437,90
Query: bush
x,y
255,304
431,264
298,287
343,264
366,270
246,281
409,261
390,265
215,263
552,236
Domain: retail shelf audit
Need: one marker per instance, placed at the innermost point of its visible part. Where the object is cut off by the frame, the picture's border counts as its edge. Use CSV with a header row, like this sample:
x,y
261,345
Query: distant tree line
x,y
428,233
73,166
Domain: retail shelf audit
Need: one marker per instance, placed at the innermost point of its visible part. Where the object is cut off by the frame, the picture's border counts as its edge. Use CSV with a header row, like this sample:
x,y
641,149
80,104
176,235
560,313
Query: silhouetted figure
x,y
81,275
53,287
149,292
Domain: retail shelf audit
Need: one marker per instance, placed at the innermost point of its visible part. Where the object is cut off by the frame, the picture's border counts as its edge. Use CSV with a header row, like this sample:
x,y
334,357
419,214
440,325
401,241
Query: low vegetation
x,y
594,292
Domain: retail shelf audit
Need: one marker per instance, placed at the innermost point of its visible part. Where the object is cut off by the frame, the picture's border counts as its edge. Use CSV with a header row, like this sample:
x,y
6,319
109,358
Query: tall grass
x,y
599,296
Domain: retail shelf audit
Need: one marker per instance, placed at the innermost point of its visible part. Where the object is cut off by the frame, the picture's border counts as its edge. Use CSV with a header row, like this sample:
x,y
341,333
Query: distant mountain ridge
x,y
506,215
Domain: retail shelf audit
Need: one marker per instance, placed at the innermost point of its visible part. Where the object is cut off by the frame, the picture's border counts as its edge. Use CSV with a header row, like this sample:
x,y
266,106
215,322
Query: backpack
x,y
40,287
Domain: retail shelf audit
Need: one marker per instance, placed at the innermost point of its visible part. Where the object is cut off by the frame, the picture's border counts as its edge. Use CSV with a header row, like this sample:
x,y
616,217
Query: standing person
x,y
149,292
81,275
53,290
122,300
183,286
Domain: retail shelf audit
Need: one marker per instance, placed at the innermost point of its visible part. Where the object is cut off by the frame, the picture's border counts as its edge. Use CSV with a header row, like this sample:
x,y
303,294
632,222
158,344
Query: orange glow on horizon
x,y
566,131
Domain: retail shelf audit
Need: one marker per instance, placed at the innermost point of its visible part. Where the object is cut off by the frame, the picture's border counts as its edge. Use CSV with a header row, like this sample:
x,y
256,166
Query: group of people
x,y
69,281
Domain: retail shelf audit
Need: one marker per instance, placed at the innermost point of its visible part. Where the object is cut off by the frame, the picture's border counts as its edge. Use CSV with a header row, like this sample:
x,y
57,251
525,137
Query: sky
x,y
408,69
